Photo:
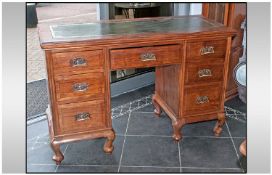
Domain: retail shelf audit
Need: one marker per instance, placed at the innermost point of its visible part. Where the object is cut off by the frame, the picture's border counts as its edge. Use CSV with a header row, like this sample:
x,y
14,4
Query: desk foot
x,y
219,124
177,125
108,146
157,109
242,148
58,157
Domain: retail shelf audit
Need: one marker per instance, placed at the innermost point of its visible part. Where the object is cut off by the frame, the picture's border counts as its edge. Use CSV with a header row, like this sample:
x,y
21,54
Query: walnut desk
x,y
191,56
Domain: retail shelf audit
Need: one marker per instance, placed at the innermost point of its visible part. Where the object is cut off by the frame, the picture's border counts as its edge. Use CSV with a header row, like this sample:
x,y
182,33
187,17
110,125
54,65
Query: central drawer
x,y
145,56
80,117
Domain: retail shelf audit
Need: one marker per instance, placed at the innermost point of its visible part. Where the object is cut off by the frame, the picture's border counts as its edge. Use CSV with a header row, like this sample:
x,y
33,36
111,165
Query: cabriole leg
x,y
157,109
58,157
177,125
108,146
219,124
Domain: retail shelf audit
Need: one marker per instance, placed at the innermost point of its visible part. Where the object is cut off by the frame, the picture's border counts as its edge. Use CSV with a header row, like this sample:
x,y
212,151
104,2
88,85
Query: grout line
x,y
212,168
56,169
131,166
35,142
213,137
180,169
65,149
235,148
120,161
140,166
143,112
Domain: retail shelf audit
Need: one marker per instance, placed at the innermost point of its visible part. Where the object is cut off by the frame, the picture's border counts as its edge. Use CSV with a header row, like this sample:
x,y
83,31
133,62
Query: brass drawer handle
x,y
202,99
206,50
80,87
204,73
82,116
148,56
78,62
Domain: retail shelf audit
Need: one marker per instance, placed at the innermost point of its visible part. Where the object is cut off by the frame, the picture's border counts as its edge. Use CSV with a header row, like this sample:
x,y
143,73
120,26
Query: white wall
x,y
181,9
195,8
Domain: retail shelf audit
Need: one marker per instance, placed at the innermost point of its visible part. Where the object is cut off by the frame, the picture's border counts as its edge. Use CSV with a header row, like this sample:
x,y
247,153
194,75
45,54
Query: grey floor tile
x,y
87,169
149,170
236,127
209,170
37,129
41,153
91,153
40,168
203,129
150,151
149,124
208,153
242,159
44,138
125,98
150,108
119,124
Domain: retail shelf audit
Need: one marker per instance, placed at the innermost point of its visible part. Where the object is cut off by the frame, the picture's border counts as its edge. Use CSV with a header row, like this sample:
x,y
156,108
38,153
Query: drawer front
x,y
201,99
80,117
145,56
198,73
77,62
80,87
206,50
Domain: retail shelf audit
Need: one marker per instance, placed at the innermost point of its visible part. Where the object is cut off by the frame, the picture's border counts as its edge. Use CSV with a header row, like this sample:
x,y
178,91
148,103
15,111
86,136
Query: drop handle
x,y
202,99
204,73
148,56
80,87
82,116
76,62
206,50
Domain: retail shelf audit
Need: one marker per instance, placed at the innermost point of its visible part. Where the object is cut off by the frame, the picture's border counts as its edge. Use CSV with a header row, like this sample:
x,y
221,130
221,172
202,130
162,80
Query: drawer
x,y
77,62
198,73
145,56
80,117
80,87
201,99
206,50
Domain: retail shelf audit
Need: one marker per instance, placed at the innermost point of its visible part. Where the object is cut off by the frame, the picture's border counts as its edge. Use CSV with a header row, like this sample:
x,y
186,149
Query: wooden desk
x,y
191,56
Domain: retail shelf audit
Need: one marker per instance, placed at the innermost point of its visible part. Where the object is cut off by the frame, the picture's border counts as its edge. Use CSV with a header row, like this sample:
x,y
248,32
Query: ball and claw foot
x,y
242,148
177,125
177,137
219,124
157,109
108,146
217,130
58,157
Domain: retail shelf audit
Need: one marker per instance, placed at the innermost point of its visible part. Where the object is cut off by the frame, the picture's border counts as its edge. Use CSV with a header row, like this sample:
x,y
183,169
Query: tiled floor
x,y
144,143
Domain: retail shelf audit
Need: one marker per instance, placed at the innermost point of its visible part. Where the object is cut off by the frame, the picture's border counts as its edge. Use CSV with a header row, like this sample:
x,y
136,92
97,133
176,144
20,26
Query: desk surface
x,y
118,29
